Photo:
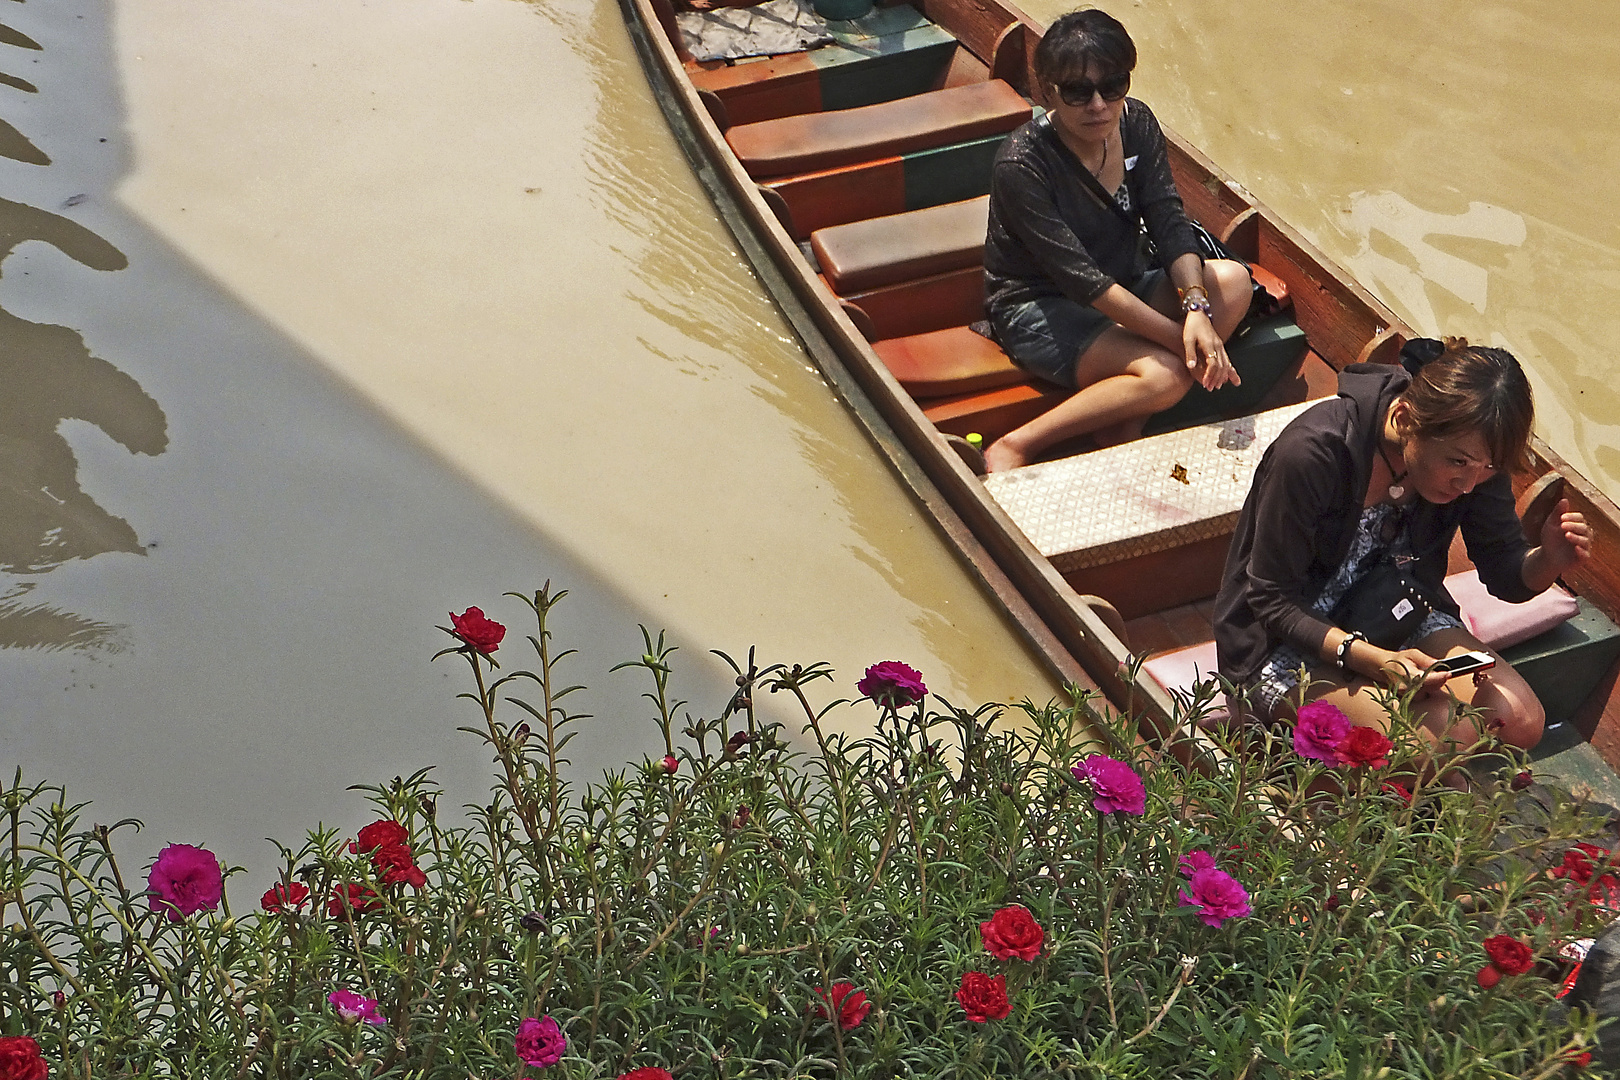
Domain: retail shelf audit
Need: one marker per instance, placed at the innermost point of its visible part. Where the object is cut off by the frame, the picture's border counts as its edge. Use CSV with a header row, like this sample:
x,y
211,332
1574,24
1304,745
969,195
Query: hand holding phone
x,y
1467,663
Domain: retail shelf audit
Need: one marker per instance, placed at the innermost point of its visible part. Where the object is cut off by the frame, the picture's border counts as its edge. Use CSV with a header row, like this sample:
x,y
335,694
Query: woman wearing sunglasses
x,y
1070,294
1388,472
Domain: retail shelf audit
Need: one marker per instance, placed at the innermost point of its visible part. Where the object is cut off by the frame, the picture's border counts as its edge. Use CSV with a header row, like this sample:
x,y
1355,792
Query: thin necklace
x,y
1097,172
1396,488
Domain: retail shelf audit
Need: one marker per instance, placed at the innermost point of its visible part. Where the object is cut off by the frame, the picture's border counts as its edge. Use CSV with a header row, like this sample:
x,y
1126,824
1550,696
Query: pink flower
x,y
185,880
1194,861
1365,746
540,1042
354,1008
282,897
1319,731
891,683
1114,785
1218,894
483,635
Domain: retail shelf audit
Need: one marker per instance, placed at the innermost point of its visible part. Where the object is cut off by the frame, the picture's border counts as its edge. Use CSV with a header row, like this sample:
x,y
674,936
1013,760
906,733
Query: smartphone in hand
x,y
1466,663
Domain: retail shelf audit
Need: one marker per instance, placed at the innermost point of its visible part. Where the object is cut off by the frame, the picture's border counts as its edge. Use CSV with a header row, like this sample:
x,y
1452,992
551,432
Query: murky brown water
x,y
321,318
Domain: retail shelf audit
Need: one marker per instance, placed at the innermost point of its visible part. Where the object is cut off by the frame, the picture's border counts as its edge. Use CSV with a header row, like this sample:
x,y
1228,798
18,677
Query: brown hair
x,y
1470,388
1088,37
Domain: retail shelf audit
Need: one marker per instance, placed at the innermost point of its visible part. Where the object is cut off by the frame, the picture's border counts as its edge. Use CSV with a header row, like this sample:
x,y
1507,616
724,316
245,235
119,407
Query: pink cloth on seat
x,y
1183,669
1500,624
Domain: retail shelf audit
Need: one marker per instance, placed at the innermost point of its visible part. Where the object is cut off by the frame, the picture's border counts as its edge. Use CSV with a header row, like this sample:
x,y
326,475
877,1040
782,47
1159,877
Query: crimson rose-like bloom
x,y
651,1072
1012,933
1509,955
361,900
1218,895
379,834
394,864
20,1060
891,683
1114,785
1398,791
185,880
482,634
851,1004
1320,731
540,1042
282,897
984,998
1365,746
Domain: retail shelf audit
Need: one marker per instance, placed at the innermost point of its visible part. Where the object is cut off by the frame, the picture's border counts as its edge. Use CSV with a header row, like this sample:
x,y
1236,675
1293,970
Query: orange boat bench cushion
x,y
950,361
794,144
901,247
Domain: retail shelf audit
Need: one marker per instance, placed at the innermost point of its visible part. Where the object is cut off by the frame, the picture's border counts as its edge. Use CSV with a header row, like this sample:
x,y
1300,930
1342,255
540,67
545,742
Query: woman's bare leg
x,y
1124,378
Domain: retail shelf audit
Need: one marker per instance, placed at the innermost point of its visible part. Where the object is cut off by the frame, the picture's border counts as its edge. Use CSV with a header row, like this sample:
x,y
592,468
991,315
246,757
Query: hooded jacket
x,y
1300,517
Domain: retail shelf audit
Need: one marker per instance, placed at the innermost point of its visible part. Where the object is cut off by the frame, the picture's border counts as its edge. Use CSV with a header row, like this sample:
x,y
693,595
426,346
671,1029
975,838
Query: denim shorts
x,y
1048,335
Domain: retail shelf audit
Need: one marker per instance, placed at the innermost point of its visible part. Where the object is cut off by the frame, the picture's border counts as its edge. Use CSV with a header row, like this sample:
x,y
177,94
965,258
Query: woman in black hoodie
x,y
1394,463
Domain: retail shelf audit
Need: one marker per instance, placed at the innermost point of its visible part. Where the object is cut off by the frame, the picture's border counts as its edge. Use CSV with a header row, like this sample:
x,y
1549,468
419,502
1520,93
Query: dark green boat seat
x,y
1261,354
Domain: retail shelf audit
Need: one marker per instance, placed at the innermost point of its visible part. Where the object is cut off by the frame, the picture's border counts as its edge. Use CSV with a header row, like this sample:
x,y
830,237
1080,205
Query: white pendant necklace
x,y
1397,490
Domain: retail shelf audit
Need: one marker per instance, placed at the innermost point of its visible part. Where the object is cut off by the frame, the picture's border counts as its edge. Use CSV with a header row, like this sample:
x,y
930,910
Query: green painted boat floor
x,y
1580,769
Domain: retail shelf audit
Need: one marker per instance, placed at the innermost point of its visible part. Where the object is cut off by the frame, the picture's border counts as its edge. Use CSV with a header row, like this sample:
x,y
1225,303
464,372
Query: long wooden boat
x,y
853,176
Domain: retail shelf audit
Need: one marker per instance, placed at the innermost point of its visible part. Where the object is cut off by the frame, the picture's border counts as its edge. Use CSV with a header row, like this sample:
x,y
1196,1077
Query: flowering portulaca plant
x,y
998,892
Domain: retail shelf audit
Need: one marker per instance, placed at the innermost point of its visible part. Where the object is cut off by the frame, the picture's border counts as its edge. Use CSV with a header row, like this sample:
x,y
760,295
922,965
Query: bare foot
x,y
999,457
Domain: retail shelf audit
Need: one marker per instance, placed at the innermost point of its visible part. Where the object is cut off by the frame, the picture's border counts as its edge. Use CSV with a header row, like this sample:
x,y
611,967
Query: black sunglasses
x,y
1079,93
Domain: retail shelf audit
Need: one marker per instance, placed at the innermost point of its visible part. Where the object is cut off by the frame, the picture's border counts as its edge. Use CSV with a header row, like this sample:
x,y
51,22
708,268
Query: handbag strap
x,y
1092,185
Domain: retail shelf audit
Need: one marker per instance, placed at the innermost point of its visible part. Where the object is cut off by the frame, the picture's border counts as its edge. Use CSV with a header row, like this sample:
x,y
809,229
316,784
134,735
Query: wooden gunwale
x,y
1344,323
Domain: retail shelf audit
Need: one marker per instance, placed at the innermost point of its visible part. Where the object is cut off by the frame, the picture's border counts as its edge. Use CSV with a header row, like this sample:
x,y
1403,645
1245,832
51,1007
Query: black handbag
x,y
1386,605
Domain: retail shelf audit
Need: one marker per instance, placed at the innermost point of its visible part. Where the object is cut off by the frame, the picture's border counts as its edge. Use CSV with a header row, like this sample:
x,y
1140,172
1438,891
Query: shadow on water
x,y
270,646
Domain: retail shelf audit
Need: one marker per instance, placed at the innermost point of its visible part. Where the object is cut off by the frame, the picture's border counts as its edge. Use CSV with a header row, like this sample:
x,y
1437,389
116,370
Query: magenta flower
x,y
185,880
1218,894
1320,730
354,1008
891,683
1114,785
540,1042
1194,861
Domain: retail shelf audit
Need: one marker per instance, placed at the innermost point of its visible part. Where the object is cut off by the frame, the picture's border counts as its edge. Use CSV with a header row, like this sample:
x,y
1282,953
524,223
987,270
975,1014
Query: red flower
x,y
1012,933
1581,1060
670,763
20,1060
651,1072
1398,791
360,898
1510,955
1578,862
984,998
851,1004
379,834
484,635
283,897
394,864
1523,780
1365,746
1487,976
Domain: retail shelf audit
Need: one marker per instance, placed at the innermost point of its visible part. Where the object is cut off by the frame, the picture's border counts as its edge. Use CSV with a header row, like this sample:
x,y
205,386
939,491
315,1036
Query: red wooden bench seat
x,y
889,250
795,144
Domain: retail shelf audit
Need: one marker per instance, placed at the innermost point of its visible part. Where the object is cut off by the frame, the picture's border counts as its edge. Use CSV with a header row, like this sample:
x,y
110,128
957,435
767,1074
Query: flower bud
x,y
811,912
1523,780
1331,903
58,1001
1488,976
531,922
743,814
670,764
